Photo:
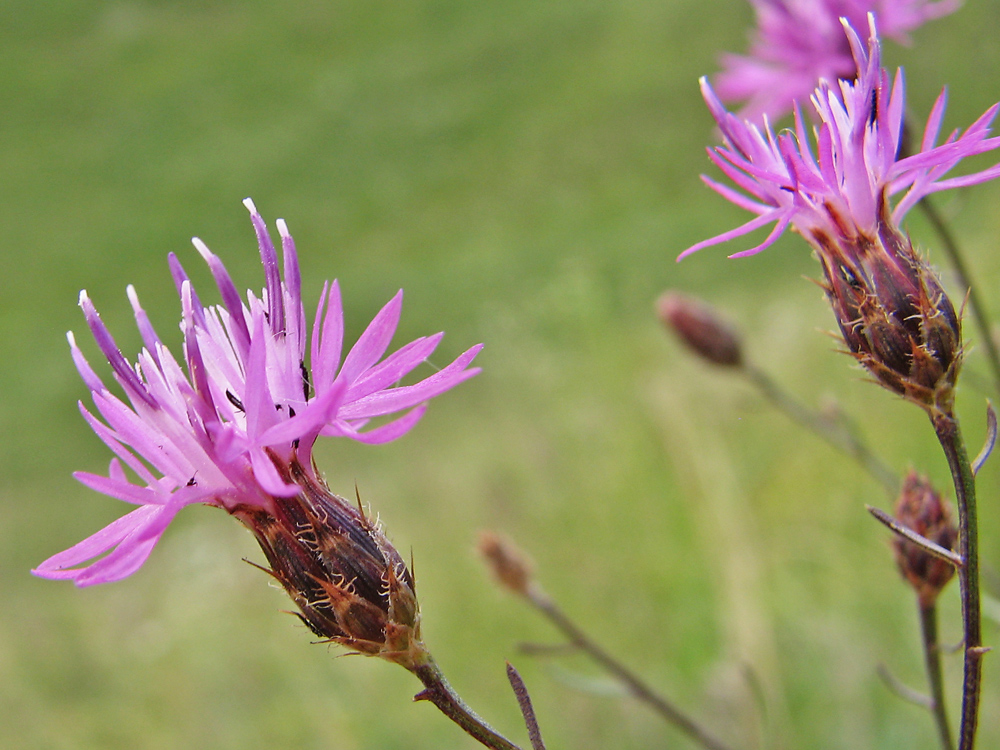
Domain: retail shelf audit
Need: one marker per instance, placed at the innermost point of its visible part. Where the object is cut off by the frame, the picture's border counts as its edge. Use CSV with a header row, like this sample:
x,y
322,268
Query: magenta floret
x,y
839,188
798,42
226,428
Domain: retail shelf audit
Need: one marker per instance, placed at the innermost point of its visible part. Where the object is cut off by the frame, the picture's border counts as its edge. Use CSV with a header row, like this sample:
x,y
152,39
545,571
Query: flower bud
x,y
699,326
509,564
921,509
350,585
894,316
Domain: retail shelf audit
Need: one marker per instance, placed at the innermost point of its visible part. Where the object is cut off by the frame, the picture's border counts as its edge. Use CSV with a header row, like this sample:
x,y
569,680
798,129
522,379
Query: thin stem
x,y
833,431
527,710
975,301
950,437
443,695
910,535
635,685
932,659
903,690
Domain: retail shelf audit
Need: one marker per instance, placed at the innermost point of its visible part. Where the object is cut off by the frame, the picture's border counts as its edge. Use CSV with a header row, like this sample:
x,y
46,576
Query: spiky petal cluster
x,y
890,306
842,188
798,42
225,428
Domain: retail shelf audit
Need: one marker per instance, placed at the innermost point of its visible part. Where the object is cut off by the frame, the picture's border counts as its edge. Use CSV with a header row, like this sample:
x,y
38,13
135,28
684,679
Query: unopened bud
x,y
699,326
350,585
921,509
893,313
510,566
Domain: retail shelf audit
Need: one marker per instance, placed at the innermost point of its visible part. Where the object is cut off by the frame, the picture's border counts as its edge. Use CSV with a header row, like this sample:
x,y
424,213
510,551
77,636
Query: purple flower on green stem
x,y
236,422
799,42
892,311
842,186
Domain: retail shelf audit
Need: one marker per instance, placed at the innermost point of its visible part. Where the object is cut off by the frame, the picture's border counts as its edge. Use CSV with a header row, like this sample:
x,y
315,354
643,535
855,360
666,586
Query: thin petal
x,y
374,341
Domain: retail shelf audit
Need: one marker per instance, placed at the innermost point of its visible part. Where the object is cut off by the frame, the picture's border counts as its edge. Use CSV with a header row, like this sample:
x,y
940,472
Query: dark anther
x,y
234,401
305,380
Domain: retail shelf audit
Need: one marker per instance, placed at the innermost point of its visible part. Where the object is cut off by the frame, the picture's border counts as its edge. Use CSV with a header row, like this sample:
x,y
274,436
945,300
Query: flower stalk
x,y
706,333
439,691
513,571
635,685
527,710
946,428
932,662
834,431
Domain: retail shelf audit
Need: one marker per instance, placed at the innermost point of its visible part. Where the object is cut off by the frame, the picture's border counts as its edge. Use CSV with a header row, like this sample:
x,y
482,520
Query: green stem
x,y
950,437
833,431
443,695
636,686
932,659
975,301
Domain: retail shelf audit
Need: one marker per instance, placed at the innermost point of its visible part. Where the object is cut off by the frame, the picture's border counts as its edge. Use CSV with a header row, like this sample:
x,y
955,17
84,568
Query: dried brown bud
x,y
349,583
921,509
510,566
699,326
893,314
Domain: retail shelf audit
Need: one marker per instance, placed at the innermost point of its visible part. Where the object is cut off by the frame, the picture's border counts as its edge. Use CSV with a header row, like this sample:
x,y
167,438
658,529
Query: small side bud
x,y
701,328
510,565
922,509
350,585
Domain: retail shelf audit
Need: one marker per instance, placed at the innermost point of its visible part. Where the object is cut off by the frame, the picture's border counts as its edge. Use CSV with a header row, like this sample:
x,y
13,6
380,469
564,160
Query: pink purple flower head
x,y
798,42
223,426
843,186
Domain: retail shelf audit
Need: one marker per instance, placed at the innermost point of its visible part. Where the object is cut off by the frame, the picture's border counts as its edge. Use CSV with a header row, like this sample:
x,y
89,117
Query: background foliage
x,y
527,171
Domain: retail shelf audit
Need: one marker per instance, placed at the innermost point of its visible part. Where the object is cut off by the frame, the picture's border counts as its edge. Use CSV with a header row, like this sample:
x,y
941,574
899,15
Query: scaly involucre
x,y
842,189
228,428
798,42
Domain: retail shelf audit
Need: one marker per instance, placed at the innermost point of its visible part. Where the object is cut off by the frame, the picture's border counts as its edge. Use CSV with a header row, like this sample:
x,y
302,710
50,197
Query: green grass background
x,y
527,170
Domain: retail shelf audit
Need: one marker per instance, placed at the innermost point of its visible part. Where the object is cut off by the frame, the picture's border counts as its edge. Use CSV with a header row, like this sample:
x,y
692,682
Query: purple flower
x,y
799,42
892,311
843,188
227,429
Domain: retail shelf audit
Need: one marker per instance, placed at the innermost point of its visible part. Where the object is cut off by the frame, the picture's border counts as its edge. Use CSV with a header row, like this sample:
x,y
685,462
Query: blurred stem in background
x,y
513,571
932,662
705,332
976,305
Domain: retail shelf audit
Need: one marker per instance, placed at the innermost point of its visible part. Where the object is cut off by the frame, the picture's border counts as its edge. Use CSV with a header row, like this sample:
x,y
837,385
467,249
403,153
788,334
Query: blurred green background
x,y
527,170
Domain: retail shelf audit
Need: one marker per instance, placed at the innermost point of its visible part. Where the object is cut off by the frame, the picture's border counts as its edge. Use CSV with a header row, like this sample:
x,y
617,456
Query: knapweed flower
x,y
798,42
234,427
891,309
